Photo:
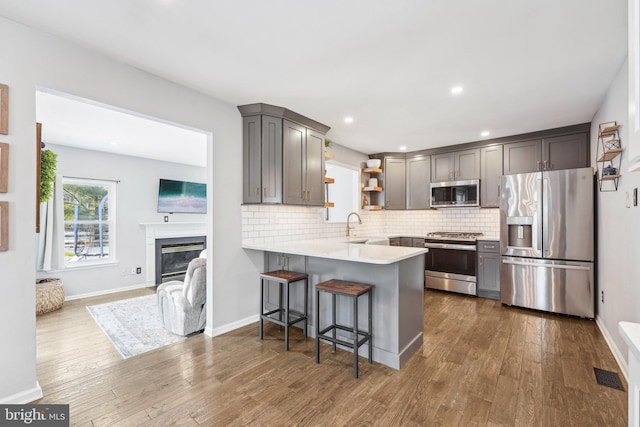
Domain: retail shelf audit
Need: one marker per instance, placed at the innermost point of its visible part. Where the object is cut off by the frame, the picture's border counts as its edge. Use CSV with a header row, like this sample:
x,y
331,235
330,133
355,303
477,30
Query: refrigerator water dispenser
x,y
520,231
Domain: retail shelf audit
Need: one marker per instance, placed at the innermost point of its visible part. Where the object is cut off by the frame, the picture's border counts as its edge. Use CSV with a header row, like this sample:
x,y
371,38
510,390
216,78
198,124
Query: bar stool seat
x,y
353,290
283,315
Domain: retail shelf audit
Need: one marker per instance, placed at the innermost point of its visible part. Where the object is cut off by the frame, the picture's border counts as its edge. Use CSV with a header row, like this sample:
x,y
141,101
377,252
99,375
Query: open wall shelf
x,y
608,156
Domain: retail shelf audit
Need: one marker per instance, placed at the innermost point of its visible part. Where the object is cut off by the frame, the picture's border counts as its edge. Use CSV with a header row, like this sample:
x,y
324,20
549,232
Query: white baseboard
x,y
106,292
214,332
614,349
26,396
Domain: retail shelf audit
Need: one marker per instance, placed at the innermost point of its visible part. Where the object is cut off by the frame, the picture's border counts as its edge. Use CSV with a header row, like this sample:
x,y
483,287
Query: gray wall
x,y
33,59
618,229
136,197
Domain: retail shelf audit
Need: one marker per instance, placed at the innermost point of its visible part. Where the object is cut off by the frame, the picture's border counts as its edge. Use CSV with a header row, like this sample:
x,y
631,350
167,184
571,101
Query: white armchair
x,y
183,305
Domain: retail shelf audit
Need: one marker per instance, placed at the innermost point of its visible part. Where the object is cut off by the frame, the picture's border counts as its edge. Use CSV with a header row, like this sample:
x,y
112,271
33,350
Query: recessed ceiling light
x,y
348,119
485,133
113,143
403,148
456,90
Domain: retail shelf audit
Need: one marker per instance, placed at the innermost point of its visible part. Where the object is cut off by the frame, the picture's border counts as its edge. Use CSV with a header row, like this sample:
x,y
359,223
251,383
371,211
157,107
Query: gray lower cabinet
x,y
417,182
303,165
394,183
554,153
488,280
262,159
456,165
491,170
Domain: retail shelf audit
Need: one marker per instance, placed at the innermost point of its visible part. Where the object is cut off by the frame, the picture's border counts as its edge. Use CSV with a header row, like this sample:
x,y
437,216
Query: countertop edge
x,y
280,247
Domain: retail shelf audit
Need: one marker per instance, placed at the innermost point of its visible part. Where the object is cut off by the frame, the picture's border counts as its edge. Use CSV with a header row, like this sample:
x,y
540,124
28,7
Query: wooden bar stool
x,y
282,315
352,290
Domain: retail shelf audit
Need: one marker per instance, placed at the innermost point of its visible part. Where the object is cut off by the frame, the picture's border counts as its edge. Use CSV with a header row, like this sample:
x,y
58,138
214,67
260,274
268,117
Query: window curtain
x,y
51,238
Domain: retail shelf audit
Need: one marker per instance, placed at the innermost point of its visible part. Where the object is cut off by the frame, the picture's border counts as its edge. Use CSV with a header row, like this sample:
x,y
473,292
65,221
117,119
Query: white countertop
x,y
631,334
338,248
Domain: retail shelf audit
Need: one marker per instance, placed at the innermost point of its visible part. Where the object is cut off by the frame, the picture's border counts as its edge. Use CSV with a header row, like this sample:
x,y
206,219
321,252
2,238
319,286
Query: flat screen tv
x,y
182,197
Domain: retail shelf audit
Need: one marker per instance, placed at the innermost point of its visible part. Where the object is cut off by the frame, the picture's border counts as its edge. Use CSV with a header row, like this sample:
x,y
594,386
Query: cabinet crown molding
x,y
283,113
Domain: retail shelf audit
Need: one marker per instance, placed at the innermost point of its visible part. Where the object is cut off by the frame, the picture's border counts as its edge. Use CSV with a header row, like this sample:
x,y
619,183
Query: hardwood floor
x,y
481,364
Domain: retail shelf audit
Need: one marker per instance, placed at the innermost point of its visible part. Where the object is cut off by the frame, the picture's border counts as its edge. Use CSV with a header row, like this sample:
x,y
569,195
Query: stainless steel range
x,y
450,264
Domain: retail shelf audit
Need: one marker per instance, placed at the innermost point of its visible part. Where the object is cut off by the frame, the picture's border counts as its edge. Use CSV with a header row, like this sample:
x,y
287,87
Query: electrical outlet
x,y
166,218
635,196
602,297
133,270
139,270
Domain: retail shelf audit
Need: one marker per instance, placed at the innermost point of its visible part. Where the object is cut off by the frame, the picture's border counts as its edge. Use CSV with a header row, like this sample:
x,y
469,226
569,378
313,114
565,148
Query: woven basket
x,y
49,295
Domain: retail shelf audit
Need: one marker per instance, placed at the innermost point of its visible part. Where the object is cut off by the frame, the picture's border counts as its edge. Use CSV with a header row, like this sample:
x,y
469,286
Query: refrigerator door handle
x,y
538,222
546,265
546,191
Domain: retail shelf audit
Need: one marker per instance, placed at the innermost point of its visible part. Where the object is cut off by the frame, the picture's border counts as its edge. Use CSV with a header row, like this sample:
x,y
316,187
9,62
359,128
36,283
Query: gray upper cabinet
x,y
456,165
442,168
303,165
555,153
271,159
294,141
252,159
314,178
283,160
565,152
491,170
417,183
262,158
467,164
522,157
394,181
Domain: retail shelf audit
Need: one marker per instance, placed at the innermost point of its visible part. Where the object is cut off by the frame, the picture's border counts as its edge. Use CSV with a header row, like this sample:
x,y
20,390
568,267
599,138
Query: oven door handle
x,y
450,246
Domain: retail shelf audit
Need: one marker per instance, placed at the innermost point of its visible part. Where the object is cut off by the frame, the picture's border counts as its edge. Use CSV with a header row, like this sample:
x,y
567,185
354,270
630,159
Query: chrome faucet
x,y
348,217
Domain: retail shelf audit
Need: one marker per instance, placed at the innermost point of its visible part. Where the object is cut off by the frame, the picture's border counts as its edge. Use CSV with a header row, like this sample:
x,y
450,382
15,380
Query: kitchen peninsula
x,y
396,272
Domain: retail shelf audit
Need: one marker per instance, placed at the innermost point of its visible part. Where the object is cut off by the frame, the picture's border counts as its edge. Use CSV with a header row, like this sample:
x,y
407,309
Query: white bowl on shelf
x,y
374,163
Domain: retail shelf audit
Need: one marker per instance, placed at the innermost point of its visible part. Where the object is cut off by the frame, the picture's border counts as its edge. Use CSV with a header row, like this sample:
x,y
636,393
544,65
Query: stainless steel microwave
x,y
453,194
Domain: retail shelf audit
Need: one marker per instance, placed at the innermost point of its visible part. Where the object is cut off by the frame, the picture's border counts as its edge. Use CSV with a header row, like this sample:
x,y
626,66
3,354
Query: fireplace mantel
x,y
163,230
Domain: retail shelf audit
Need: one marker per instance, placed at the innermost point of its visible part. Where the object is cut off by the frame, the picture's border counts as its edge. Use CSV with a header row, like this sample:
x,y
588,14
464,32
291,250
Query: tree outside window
x,y
89,221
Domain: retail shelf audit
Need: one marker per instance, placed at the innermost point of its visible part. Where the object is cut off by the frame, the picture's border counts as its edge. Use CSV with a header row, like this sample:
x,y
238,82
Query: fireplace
x,y
174,254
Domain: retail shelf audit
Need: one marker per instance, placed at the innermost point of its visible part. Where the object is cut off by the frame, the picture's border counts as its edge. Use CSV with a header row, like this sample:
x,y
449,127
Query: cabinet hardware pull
x,y
257,191
538,165
546,165
490,246
265,191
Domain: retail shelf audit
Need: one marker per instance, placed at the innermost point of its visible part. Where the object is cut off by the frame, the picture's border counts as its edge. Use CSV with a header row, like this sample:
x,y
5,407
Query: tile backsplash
x,y
273,223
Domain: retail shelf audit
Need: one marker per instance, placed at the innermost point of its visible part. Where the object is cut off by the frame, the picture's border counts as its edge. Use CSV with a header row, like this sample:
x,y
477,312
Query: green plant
x,y
48,162
327,143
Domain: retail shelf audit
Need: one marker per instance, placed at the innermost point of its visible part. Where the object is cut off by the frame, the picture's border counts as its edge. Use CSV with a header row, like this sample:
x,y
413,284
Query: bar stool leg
x,y
286,317
317,326
370,327
306,307
355,337
260,328
280,284
333,320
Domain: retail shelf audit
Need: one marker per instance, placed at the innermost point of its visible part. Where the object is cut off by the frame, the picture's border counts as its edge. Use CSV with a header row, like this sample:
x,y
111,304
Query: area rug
x,y
133,325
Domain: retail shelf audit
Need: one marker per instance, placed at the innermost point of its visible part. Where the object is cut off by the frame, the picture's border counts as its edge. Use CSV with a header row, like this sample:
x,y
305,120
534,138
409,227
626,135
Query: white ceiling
x,y
524,65
79,123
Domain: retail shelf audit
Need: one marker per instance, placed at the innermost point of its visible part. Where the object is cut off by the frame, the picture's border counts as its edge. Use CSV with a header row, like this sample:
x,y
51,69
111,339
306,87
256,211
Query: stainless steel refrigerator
x,y
547,243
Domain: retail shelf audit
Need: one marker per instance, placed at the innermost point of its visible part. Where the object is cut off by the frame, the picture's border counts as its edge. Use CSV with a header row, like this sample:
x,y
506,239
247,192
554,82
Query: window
x,y
345,192
89,221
